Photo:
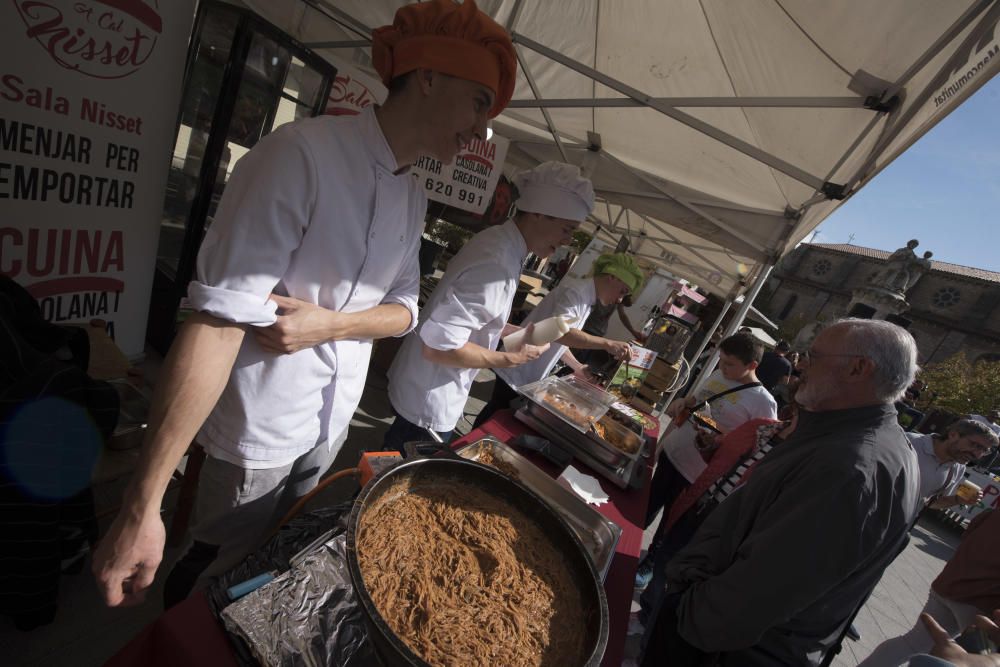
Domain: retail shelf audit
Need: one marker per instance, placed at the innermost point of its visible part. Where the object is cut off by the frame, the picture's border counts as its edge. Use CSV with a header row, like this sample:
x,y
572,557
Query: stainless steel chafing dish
x,y
566,410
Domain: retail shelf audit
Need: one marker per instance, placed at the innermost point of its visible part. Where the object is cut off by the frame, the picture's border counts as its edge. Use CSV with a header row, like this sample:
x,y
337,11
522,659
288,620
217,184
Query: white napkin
x,y
585,486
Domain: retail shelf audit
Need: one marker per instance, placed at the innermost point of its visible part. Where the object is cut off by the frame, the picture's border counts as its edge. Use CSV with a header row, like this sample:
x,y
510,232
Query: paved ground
x,y
87,633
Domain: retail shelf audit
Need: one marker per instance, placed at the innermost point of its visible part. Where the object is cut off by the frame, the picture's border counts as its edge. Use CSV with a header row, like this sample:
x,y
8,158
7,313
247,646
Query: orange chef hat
x,y
458,40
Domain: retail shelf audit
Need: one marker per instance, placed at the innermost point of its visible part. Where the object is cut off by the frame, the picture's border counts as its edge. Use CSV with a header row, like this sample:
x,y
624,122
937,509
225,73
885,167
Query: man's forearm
x,y
194,374
583,341
469,355
382,321
570,360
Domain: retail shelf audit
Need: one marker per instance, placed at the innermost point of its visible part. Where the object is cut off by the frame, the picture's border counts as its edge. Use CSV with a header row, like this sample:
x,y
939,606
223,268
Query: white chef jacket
x,y
572,299
318,210
471,304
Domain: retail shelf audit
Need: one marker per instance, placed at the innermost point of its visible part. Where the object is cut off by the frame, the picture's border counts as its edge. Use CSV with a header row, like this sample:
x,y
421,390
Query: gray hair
x,y
891,349
969,425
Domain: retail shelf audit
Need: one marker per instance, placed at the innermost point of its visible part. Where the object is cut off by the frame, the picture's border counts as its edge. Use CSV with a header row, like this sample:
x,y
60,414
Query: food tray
x,y
702,422
588,441
599,535
574,402
616,432
633,418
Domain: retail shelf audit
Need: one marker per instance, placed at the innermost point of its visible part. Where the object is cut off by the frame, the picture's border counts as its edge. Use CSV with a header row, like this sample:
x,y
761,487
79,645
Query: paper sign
x,y
468,182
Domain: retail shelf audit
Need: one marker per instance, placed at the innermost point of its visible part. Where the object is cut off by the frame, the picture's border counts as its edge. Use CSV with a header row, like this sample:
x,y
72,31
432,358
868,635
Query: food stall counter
x,y
190,634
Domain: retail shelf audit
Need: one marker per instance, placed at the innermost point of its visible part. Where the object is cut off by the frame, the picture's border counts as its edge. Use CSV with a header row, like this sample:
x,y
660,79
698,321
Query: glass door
x,y
244,78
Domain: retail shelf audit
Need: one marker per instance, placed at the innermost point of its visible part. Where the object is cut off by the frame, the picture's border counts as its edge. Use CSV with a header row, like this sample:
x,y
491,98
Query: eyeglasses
x,y
810,355
978,448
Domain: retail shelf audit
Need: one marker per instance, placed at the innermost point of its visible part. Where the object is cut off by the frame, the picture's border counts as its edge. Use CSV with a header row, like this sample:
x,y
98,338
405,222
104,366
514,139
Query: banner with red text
x,y
352,90
469,181
89,91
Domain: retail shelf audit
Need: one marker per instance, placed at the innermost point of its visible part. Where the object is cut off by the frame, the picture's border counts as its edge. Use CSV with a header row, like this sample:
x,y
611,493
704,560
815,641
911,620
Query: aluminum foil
x,y
308,615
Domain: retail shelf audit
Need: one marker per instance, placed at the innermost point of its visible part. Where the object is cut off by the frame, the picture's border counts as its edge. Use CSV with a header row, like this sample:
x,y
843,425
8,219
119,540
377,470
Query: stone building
x,y
952,308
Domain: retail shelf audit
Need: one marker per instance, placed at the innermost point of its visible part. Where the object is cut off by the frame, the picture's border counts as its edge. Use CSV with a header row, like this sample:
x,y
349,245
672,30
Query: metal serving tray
x,y
589,442
599,535
628,476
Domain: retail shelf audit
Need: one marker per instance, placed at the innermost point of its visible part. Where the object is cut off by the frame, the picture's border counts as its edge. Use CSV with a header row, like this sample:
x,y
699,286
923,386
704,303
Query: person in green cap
x,y
615,275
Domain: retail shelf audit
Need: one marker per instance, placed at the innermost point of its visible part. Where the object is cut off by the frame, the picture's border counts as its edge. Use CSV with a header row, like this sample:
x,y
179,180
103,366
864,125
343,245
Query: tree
x,y
448,234
580,241
963,387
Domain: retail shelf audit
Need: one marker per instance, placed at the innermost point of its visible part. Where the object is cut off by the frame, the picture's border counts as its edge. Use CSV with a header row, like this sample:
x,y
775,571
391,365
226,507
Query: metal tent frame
x,y
861,84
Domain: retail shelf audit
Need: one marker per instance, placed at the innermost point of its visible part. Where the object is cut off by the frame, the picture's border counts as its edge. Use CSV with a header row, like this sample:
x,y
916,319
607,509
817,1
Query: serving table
x,y
189,634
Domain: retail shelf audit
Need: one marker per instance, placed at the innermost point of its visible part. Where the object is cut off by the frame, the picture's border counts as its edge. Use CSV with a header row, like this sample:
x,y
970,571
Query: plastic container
x,y
548,330
575,403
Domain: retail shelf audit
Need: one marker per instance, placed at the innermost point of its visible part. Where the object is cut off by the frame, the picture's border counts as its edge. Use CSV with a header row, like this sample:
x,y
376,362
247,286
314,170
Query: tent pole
x,y
704,342
711,102
735,323
915,103
545,112
694,123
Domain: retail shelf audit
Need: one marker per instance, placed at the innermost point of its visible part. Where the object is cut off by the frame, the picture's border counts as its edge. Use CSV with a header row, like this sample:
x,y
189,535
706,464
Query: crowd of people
x,y
821,500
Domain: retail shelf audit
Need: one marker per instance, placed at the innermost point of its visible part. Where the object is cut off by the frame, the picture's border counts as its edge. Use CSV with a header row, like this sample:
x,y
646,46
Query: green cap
x,y
621,266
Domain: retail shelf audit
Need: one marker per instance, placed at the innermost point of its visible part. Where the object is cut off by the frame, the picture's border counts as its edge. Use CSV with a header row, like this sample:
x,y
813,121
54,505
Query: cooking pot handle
x,y
426,450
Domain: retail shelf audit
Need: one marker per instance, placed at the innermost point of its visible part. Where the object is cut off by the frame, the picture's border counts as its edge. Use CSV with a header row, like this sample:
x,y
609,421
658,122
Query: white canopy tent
x,y
718,134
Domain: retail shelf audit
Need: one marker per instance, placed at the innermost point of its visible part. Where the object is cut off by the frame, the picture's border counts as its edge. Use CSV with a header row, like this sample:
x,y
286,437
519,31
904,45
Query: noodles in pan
x,y
465,578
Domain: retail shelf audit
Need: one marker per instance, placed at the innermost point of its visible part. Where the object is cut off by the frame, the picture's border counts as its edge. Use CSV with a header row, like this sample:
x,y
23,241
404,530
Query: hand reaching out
x,y
948,649
527,353
619,349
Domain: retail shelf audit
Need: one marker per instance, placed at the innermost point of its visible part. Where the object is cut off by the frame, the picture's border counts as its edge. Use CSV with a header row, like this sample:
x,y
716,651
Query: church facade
x,y
952,309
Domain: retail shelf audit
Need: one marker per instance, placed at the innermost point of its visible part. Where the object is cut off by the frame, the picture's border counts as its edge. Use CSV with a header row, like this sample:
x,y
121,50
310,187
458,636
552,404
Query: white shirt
x,y
471,304
573,300
317,212
728,412
936,478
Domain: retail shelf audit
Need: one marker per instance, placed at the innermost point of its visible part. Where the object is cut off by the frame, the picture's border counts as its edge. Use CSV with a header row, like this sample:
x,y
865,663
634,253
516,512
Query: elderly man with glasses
x,y
776,573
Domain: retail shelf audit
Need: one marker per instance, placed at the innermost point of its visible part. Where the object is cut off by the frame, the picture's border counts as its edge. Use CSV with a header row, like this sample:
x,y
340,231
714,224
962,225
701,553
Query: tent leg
x,y
704,343
734,323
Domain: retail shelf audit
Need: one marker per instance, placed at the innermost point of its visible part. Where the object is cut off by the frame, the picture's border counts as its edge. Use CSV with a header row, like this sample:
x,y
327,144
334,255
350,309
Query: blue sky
x,y
944,190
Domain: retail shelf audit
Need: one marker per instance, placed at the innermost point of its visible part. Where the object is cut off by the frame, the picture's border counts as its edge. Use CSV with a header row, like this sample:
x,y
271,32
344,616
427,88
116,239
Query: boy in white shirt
x,y
732,396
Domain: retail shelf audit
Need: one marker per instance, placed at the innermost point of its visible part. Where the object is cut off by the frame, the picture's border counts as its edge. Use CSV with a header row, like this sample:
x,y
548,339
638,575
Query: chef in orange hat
x,y
313,253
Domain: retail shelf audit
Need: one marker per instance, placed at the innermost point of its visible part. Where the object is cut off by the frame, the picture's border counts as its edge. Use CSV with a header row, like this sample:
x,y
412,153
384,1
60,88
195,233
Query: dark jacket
x,y
775,572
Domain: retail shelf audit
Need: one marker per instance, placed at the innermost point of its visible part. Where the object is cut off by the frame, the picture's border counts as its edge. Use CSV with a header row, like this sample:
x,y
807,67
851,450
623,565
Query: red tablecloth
x,y
188,634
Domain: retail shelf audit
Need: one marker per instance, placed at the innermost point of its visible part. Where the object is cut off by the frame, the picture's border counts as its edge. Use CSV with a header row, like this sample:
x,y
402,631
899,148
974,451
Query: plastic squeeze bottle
x,y
546,331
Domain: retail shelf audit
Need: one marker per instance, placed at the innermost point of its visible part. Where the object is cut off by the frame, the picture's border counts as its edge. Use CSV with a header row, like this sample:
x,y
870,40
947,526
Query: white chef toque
x,y
556,189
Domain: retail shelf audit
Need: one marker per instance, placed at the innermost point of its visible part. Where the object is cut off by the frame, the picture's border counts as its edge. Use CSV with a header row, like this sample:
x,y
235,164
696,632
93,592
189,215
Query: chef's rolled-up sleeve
x,y
260,223
406,290
477,297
